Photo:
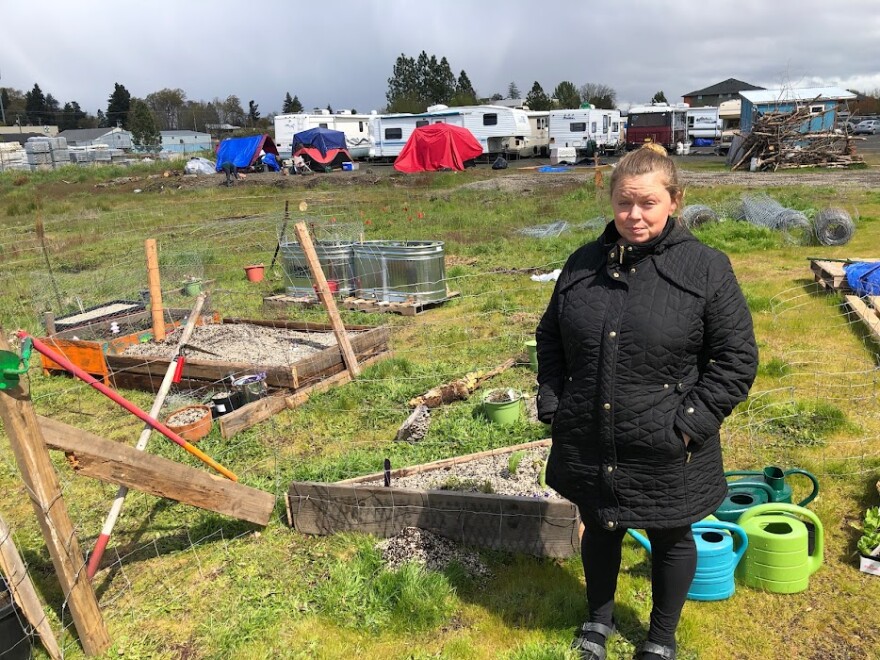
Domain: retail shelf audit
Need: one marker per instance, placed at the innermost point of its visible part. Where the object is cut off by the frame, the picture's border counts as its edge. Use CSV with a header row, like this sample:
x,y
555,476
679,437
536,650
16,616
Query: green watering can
x,y
759,488
778,557
12,366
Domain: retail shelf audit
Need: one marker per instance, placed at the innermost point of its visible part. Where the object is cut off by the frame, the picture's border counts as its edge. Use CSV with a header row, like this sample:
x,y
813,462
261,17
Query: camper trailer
x,y
576,128
659,122
495,127
703,126
728,114
536,142
356,128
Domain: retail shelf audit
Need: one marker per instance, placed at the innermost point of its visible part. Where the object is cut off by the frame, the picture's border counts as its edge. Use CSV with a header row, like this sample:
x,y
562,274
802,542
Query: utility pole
x,y
2,111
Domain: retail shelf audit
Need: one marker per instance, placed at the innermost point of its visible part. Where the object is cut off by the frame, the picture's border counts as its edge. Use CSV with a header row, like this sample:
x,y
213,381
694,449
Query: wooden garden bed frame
x,y
537,526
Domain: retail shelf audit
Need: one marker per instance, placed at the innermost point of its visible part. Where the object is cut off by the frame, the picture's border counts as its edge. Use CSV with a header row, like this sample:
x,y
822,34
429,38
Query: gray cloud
x,y
343,53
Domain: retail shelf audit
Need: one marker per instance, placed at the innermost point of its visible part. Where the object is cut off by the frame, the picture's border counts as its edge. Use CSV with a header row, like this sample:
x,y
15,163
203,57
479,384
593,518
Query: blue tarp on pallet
x,y
863,277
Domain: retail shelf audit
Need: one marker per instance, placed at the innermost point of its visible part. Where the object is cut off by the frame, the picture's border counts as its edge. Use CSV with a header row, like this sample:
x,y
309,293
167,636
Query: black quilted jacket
x,y
638,344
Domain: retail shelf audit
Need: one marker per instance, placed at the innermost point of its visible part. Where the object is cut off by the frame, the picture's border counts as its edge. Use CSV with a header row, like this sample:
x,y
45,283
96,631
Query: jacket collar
x,y
594,256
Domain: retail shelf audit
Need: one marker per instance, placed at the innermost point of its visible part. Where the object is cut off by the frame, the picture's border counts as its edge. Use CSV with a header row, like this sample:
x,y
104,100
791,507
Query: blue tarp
x,y
863,277
322,139
244,151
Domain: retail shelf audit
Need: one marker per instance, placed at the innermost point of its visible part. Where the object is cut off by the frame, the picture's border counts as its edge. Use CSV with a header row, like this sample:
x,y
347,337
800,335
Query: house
x,y
115,138
824,104
185,142
716,94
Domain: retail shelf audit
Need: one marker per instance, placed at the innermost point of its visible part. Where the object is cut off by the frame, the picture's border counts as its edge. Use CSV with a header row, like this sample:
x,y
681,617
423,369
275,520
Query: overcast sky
x,y
342,52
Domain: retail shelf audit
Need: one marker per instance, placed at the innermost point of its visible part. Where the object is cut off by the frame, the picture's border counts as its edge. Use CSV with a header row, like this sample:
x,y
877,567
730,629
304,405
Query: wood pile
x,y
778,141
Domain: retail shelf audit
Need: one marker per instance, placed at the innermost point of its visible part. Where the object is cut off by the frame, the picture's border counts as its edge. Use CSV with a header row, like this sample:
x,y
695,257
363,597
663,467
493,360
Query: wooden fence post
x,y
41,481
155,289
305,242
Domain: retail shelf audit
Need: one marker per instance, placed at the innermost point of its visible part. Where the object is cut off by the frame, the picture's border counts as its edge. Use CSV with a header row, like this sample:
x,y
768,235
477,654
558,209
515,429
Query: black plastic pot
x,y
225,402
15,643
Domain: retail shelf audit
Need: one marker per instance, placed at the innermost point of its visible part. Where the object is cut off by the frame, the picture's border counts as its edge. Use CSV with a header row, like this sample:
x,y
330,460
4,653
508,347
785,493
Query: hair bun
x,y
657,148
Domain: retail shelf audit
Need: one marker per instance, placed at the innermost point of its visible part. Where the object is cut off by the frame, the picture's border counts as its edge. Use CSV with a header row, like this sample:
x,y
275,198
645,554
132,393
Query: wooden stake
x,y
23,592
305,241
38,474
155,289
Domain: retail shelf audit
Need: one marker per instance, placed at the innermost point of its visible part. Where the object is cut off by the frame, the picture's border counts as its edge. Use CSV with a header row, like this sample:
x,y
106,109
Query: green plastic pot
x,y
193,288
532,349
503,412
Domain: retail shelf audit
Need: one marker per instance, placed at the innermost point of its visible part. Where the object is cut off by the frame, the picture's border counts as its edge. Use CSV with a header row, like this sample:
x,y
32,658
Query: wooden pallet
x,y
830,274
405,308
869,315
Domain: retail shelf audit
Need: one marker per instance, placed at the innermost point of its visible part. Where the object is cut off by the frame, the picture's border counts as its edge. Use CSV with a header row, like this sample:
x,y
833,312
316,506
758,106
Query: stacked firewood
x,y
778,141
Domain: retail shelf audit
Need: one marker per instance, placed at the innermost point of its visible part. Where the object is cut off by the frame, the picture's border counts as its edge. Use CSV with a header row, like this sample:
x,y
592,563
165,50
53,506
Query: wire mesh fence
x,y
69,274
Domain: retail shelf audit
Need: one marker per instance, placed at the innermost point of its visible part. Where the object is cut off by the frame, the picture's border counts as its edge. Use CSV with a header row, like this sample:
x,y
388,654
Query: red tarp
x,y
436,147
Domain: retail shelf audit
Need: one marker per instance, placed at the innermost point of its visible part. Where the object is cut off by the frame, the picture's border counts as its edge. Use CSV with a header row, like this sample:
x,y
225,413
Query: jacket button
x,y
607,406
632,270
610,468
680,387
690,411
665,386
569,379
612,334
615,274
629,248
610,524
539,397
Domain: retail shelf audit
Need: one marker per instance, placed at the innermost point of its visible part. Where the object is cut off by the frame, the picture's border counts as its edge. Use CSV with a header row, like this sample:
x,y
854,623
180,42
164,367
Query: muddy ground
x,y
523,176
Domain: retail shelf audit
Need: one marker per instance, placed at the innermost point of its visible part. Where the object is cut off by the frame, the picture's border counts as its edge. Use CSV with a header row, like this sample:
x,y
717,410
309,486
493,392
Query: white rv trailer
x,y
356,128
577,127
494,127
729,114
536,142
704,123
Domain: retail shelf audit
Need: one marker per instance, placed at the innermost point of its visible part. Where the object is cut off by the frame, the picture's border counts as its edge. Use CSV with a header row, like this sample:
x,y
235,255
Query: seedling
x,y
514,460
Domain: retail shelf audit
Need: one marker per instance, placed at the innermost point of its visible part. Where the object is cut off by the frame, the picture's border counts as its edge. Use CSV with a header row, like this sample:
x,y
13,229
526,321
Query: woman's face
x,y
641,206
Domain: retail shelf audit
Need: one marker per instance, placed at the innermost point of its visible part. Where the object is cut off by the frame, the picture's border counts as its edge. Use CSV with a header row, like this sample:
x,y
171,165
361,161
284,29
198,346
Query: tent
x,y
244,151
321,148
436,147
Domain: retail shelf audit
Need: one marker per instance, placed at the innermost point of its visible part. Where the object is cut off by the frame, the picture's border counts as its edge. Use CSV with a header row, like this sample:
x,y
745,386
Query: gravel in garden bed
x,y
241,342
434,552
489,474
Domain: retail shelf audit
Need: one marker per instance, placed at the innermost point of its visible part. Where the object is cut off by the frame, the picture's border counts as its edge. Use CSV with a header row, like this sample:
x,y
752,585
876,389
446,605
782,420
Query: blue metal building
x,y
824,103
185,142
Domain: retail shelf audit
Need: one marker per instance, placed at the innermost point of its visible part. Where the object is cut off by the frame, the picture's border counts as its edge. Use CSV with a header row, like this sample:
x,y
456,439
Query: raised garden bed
x,y
538,525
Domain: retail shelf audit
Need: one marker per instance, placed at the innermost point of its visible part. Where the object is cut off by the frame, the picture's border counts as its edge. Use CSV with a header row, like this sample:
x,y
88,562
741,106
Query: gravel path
x,y
241,342
485,475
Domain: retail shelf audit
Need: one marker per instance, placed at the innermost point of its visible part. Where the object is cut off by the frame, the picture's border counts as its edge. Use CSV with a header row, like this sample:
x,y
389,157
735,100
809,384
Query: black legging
x,y
673,564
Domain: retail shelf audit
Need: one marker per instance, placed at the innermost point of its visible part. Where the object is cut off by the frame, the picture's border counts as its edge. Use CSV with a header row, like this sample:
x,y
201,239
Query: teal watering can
x,y
12,366
716,558
759,488
779,558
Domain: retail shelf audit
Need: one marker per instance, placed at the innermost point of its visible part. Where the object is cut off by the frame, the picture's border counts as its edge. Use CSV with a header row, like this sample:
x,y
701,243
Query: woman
x,y
646,346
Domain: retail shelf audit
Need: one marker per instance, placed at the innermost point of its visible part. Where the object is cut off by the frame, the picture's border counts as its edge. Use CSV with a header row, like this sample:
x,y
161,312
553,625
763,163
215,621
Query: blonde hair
x,y
647,159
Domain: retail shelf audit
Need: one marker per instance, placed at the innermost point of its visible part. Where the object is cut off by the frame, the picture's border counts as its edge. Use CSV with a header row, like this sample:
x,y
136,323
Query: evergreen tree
x,y
144,133
513,91
403,87
53,109
329,109
4,99
296,106
439,81
567,95
67,119
35,105
659,97
100,119
253,112
287,106
536,99
118,106
465,94
496,97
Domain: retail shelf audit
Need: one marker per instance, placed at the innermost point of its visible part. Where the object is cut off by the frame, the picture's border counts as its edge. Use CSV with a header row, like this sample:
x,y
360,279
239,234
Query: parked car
x,y
867,127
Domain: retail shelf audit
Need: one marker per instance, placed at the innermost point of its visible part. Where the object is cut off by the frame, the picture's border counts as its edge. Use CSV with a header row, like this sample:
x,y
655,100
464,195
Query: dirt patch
x,y
434,552
240,342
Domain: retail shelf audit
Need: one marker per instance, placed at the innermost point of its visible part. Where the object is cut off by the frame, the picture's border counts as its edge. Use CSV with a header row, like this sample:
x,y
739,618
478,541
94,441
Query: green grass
x,y
192,584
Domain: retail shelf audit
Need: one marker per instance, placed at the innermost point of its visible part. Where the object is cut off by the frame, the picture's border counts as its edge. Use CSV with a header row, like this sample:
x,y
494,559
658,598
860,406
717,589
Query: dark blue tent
x,y
322,139
244,151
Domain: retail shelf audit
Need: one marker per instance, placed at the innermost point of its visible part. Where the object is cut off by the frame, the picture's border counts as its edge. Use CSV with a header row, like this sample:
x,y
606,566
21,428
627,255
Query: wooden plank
x,y
155,285
302,395
536,526
120,464
447,462
21,587
251,414
362,344
303,326
207,371
866,314
326,297
26,439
